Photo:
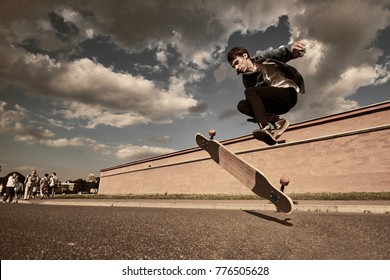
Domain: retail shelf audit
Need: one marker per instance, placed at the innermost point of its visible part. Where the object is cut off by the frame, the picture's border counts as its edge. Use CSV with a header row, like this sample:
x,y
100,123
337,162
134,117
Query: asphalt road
x,y
46,232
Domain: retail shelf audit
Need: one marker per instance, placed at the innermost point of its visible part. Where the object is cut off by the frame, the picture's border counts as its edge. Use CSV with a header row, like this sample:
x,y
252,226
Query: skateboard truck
x,y
204,143
284,181
274,197
212,133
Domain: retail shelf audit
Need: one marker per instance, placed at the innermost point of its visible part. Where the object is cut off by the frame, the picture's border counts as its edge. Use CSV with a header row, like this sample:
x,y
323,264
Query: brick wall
x,y
340,153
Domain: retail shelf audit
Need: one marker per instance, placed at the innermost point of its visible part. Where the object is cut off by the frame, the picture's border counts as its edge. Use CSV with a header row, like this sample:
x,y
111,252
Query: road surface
x,y
33,231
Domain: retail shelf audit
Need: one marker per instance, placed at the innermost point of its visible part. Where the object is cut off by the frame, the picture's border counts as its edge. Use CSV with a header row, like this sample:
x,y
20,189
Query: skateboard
x,y
251,177
261,135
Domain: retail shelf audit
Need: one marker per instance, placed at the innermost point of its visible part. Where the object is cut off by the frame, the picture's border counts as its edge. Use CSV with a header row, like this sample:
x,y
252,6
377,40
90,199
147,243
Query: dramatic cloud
x,y
17,123
14,123
163,139
340,37
63,142
94,115
92,83
340,57
140,152
227,114
87,67
9,117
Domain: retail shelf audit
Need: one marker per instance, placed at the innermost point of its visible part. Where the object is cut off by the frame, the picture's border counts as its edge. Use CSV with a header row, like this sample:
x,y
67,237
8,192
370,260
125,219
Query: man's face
x,y
242,64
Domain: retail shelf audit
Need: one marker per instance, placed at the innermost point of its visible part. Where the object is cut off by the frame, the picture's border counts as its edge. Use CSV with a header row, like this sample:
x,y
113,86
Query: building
x,y
345,152
66,187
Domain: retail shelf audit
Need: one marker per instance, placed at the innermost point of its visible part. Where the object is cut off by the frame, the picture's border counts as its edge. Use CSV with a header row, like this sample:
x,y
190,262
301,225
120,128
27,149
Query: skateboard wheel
x,y
212,132
284,180
274,197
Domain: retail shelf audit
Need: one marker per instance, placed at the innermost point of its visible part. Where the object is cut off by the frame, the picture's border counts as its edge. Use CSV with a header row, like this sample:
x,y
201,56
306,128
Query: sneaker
x,y
265,128
273,119
264,135
280,127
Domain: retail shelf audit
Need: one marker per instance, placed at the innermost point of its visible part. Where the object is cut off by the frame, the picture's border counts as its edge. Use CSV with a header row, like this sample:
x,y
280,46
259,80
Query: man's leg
x,y
27,192
254,96
269,101
11,194
244,107
7,193
41,192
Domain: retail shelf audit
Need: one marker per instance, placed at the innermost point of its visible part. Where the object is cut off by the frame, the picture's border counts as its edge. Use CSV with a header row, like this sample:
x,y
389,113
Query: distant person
x,y
271,86
44,186
9,188
18,191
53,184
31,184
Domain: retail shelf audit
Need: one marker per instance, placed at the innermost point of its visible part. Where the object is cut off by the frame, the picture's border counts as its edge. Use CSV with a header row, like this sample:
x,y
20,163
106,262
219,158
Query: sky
x,y
86,85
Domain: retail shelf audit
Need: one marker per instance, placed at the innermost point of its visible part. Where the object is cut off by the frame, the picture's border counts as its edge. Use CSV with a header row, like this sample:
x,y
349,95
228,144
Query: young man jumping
x,y
271,86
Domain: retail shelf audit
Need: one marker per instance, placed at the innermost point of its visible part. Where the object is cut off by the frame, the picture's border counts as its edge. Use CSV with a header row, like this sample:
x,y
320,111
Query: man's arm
x,y
284,53
298,49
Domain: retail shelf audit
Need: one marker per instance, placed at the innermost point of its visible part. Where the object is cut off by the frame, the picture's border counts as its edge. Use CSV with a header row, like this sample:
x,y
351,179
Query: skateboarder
x,y
271,86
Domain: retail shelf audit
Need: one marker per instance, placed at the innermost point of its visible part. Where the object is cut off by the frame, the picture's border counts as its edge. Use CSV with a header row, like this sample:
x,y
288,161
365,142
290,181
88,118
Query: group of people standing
x,y
33,185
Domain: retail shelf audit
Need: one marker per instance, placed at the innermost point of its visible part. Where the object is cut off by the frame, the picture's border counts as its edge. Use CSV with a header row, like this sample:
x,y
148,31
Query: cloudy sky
x,y
86,85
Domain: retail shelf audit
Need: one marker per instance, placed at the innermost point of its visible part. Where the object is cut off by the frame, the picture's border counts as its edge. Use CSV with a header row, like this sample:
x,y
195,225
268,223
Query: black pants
x,y
263,101
9,192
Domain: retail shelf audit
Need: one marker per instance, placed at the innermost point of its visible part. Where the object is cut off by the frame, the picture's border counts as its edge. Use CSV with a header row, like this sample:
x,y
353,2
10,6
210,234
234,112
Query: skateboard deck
x,y
251,177
261,135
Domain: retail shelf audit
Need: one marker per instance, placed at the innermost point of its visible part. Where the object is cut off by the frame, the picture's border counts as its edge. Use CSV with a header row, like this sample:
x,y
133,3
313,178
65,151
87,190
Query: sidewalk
x,y
350,206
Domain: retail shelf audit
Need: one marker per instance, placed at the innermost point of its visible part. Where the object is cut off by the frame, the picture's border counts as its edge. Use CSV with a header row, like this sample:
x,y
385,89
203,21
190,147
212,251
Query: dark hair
x,y
236,51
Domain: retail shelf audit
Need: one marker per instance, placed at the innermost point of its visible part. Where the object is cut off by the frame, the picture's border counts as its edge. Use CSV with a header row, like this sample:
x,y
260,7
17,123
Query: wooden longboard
x,y
251,177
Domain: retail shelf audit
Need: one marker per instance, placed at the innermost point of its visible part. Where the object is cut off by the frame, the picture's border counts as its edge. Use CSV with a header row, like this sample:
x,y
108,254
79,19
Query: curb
x,y
302,206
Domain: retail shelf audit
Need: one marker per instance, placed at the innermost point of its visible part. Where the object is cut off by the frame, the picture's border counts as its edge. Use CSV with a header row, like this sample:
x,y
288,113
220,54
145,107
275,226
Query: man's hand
x,y
298,48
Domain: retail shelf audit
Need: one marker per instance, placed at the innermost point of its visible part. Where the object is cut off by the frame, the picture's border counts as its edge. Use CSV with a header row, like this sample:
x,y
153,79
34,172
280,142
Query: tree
x,y
80,185
3,180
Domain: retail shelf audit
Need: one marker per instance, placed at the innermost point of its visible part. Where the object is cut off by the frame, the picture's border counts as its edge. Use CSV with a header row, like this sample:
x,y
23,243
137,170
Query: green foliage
x,y
342,196
82,186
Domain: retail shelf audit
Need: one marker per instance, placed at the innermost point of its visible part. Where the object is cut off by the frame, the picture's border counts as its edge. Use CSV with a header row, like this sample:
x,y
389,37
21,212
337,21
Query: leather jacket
x,y
272,70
